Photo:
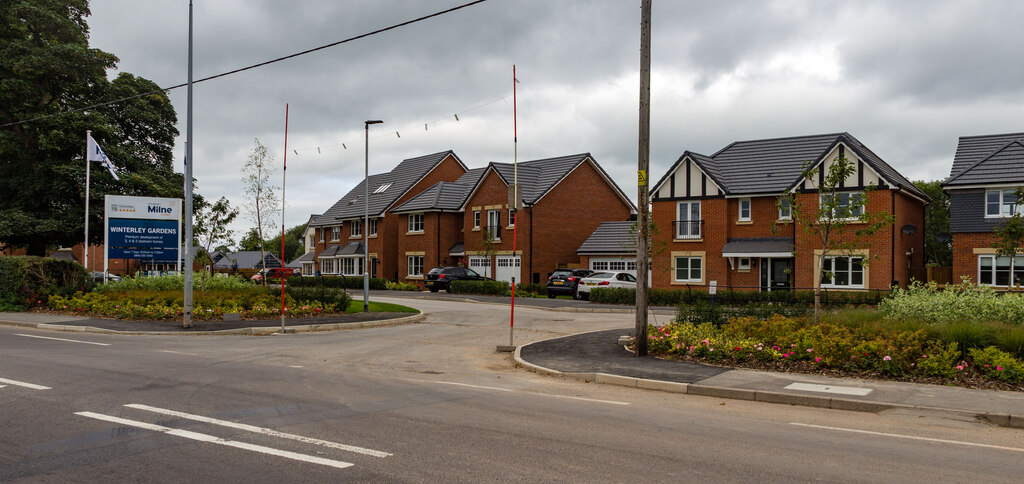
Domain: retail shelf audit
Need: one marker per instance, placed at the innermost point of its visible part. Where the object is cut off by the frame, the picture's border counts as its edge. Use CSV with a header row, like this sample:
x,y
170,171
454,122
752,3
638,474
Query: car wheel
x,y
551,295
434,289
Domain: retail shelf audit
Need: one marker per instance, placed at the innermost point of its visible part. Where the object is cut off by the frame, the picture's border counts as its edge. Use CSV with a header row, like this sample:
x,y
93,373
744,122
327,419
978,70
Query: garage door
x,y
480,265
508,267
616,264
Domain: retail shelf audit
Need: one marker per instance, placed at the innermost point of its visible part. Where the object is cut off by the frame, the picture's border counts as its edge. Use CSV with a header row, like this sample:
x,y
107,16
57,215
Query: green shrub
x,y
1011,340
29,281
492,288
255,303
174,282
613,295
400,286
997,364
939,360
342,282
966,335
326,296
528,288
961,302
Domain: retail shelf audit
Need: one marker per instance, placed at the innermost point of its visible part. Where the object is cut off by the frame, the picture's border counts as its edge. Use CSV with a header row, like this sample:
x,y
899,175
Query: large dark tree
x,y
48,71
936,221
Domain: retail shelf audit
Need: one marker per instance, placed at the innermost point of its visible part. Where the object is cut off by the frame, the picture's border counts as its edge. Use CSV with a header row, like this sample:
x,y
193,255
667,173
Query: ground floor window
x,y
328,266
352,266
689,269
842,272
415,265
307,268
995,270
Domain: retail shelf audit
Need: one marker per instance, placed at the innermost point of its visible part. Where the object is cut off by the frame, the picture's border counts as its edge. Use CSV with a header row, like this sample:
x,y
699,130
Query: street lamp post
x,y
366,219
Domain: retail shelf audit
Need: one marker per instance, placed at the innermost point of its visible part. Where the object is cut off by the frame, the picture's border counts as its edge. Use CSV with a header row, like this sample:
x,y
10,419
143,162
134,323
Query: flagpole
x,y
284,174
85,248
186,313
515,203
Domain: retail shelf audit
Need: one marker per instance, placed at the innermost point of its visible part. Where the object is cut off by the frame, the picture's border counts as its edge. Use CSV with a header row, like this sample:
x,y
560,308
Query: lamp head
x,y
373,121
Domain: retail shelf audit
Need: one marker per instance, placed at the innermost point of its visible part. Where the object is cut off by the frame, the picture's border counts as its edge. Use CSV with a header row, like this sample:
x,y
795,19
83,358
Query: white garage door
x,y
616,264
480,265
509,267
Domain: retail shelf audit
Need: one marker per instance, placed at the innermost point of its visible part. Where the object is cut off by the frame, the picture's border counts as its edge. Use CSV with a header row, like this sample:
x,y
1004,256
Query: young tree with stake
x,y
261,204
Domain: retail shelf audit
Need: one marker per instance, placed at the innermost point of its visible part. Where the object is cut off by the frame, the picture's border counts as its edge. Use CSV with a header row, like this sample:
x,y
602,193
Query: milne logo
x,y
158,209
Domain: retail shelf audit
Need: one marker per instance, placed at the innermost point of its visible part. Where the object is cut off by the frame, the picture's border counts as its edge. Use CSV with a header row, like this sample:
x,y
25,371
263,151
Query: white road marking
x,y
178,353
63,339
613,402
295,366
259,430
219,441
810,387
473,386
531,393
911,437
23,384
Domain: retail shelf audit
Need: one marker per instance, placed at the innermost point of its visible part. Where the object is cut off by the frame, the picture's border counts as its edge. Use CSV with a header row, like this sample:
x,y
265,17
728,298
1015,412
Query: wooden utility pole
x,y
643,162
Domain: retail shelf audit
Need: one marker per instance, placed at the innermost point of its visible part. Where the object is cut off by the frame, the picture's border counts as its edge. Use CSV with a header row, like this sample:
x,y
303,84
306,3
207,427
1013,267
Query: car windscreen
x,y
601,275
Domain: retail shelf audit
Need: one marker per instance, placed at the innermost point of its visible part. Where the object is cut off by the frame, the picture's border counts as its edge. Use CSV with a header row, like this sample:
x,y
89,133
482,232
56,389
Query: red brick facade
x,y
965,257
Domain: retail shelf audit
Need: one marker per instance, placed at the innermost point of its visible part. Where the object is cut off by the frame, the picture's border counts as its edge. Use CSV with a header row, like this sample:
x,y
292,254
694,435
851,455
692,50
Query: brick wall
x,y
433,242
965,261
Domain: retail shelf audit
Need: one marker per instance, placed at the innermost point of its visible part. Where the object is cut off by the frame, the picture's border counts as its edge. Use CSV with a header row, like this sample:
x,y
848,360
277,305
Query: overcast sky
x,y
906,78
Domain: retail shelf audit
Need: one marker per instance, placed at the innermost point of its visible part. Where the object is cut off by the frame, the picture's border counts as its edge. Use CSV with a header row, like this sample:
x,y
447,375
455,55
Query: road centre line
x,y
217,440
259,430
23,384
911,437
178,353
63,339
532,393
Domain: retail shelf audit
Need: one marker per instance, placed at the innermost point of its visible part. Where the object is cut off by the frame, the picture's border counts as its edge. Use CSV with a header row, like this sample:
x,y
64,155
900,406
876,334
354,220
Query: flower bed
x,y
786,344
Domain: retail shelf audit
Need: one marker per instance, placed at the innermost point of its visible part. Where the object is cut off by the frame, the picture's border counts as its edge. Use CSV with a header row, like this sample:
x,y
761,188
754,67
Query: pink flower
x,y
785,355
810,350
792,345
817,359
886,358
960,367
986,366
999,368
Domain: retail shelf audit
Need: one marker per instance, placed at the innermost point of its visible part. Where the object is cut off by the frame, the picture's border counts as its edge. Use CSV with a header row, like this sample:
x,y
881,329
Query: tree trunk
x,y
817,304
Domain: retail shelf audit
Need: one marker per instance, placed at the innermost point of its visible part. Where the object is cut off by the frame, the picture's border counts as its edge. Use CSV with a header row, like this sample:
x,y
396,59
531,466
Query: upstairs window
x,y
416,222
785,210
357,228
476,219
848,205
688,220
373,226
1000,203
335,233
744,215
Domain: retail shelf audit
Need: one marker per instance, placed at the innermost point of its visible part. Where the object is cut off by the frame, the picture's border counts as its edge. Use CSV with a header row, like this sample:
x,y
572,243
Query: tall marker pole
x,y
284,173
85,248
643,162
186,317
515,203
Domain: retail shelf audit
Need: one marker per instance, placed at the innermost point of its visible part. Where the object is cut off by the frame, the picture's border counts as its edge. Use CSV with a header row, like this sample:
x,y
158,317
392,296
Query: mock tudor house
x,y
714,217
338,239
564,200
986,171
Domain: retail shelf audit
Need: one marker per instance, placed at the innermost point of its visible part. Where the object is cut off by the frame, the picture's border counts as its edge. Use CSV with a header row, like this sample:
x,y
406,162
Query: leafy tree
x,y
250,241
936,220
828,222
46,69
262,204
294,244
1010,233
211,227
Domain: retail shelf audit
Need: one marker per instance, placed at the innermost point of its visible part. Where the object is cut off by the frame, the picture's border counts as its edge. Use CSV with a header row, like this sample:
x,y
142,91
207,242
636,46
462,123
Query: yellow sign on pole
x,y
641,178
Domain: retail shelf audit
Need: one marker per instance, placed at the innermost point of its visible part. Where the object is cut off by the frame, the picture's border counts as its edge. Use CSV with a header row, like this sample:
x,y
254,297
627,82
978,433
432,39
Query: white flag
x,y
95,153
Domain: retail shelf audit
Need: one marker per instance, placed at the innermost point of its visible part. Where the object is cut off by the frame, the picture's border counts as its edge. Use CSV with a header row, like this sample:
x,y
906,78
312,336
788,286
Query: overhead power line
x,y
253,66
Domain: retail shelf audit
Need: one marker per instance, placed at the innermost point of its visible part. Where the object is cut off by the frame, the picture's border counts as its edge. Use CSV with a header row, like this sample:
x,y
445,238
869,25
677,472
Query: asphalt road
x,y
427,402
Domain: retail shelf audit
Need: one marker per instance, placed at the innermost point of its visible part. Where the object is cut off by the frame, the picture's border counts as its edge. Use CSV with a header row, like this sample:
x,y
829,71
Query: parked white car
x,y
604,279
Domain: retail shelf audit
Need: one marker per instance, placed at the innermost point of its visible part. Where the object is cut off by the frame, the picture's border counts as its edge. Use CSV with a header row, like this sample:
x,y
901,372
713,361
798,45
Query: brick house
x,y
564,199
714,215
338,232
986,171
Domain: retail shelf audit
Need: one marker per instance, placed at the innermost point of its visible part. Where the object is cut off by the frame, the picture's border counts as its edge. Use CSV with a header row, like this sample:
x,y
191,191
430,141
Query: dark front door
x,y
780,274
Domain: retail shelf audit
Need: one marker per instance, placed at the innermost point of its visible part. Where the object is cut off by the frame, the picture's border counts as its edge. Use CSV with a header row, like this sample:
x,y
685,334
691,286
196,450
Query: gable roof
x,y
777,165
705,163
988,159
539,177
391,186
610,238
443,196
246,259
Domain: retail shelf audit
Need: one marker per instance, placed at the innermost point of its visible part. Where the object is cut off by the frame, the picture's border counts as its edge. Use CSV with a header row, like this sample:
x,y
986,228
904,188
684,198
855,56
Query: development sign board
x,y
143,228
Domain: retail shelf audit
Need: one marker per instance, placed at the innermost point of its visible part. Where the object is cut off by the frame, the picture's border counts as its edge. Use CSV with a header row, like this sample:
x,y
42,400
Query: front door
x,y
780,274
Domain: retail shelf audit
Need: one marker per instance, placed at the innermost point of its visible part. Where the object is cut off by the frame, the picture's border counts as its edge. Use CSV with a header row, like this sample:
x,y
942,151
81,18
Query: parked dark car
x,y
441,277
564,281
277,273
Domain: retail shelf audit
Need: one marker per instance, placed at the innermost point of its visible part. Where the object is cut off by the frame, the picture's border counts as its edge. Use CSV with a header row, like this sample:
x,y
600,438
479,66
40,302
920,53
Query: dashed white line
x,y
911,437
23,384
178,353
612,402
473,386
63,339
259,430
217,440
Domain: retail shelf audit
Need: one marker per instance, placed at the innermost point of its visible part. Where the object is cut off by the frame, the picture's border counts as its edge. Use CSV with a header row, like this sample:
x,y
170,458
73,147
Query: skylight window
x,y
383,187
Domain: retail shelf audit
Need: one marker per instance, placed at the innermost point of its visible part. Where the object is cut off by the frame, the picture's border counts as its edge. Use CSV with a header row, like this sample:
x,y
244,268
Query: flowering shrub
x,y
997,364
401,286
961,302
158,305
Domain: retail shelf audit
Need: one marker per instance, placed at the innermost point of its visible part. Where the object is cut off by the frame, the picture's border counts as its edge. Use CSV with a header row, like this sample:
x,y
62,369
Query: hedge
x,y
323,295
727,297
355,282
27,281
539,289
491,288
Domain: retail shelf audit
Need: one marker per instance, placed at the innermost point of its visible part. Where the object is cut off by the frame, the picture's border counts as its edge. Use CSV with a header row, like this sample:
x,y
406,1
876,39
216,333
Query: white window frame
x,y
692,231
854,215
743,264
416,223
1004,208
992,277
511,219
494,224
689,268
335,234
785,209
415,265
373,227
740,216
831,267
323,234
476,219
328,266
356,228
